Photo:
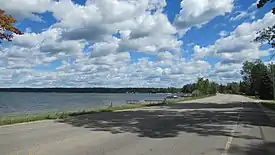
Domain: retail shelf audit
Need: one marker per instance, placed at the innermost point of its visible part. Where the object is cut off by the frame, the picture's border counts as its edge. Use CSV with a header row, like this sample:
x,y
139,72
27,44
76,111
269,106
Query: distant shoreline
x,y
94,90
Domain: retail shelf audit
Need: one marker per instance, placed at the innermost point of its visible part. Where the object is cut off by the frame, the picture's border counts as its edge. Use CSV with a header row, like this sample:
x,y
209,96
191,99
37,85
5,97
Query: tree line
x,y
257,80
201,87
207,87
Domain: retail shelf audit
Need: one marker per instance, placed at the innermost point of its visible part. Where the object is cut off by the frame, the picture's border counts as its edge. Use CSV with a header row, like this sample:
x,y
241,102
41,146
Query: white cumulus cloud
x,y
21,9
239,44
199,12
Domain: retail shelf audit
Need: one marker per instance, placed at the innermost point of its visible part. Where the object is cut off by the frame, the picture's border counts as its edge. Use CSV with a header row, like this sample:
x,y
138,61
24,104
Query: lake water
x,y
23,102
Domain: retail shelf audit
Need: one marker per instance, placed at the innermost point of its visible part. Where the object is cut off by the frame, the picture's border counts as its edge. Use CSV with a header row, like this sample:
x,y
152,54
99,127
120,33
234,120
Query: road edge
x,y
271,116
270,113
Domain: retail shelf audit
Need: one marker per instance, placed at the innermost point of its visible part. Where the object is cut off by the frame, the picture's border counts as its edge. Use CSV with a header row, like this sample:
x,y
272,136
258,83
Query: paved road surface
x,y
219,125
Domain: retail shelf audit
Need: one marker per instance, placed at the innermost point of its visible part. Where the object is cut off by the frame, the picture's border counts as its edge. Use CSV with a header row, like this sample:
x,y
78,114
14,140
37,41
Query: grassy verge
x,y
270,105
61,115
263,100
252,97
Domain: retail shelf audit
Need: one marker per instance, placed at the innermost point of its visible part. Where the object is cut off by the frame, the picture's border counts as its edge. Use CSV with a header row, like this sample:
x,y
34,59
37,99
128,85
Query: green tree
x,y
247,78
222,89
243,87
205,87
257,74
196,93
257,79
188,88
266,89
262,3
267,35
212,88
233,88
199,85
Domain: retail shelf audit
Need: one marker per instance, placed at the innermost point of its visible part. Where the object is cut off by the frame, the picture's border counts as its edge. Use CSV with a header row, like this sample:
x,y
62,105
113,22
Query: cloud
x,y
116,70
81,22
141,24
165,55
222,67
152,25
192,67
243,14
253,5
223,72
21,9
250,12
101,18
104,48
29,40
223,33
238,45
109,29
234,49
113,70
150,44
89,45
32,49
196,13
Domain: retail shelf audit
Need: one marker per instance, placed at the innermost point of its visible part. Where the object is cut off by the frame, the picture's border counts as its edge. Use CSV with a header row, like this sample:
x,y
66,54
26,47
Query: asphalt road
x,y
219,125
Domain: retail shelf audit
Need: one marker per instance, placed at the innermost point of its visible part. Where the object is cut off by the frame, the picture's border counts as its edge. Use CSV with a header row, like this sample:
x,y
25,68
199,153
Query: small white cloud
x,y
196,13
243,14
28,30
254,5
223,33
190,44
165,55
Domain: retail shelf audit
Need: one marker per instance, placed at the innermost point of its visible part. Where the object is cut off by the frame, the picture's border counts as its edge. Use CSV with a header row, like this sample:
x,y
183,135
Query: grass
x,y
61,115
266,101
252,97
270,105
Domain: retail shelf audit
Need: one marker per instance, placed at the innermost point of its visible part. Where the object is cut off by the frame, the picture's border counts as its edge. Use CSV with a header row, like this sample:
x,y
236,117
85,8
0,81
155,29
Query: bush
x,y
196,93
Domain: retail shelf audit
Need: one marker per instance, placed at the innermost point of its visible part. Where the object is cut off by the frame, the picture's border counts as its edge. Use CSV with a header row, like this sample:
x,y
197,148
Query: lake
x,y
31,102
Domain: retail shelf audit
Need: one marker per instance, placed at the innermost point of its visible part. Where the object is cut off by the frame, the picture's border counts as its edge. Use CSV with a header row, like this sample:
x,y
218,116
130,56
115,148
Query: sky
x,y
130,43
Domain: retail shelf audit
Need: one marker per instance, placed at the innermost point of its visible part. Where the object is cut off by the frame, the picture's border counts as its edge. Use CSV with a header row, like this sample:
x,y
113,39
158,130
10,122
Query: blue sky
x,y
130,43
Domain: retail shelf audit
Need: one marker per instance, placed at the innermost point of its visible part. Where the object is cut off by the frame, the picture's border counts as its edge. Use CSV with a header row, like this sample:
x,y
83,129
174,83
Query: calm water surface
x,y
22,102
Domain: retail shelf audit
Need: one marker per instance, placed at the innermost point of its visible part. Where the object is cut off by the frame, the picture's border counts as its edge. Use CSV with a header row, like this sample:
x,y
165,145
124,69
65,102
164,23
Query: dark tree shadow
x,y
171,120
